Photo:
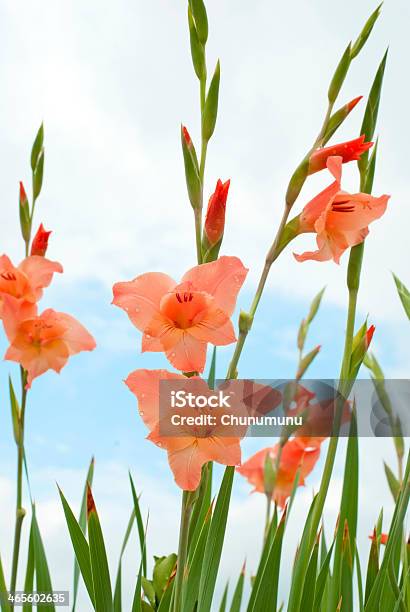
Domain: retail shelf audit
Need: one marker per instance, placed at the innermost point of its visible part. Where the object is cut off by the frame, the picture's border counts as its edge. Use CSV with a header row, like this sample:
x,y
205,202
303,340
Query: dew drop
x,y
141,413
172,355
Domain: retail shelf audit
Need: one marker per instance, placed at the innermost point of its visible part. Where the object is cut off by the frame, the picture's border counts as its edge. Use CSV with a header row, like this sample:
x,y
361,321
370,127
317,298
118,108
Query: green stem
x,y
186,510
20,511
267,519
198,234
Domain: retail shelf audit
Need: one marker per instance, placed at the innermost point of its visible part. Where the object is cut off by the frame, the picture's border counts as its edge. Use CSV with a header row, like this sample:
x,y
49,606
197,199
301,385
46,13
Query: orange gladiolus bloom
x,y
294,456
196,444
180,319
26,282
339,219
41,342
348,151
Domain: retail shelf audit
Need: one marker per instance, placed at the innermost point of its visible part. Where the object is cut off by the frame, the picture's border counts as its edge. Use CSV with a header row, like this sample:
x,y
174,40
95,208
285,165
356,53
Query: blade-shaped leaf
x,y
140,527
83,525
43,580
214,543
404,295
5,606
117,591
29,579
238,593
80,545
98,556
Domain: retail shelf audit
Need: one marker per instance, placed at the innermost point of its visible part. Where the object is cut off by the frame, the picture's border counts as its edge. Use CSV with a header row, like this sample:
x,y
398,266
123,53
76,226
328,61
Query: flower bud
x,y
306,361
201,20
215,215
40,242
211,105
338,117
348,151
197,49
245,322
365,33
339,75
361,343
25,223
193,181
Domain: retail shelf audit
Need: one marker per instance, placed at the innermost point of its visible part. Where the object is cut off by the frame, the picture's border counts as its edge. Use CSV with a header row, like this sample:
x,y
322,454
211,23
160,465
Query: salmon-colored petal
x,y
222,279
186,465
141,297
188,354
35,361
215,327
319,203
355,212
40,272
14,311
145,385
224,450
75,335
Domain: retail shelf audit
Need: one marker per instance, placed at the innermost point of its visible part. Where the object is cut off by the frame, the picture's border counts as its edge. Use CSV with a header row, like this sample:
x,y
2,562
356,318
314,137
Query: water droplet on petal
x,y
141,413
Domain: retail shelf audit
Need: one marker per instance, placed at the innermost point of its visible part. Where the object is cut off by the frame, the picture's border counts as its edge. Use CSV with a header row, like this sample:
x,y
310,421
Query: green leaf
x,y
371,168
238,593
359,579
322,578
43,580
99,562
192,179
140,527
15,412
80,545
5,607
392,481
365,33
149,590
214,543
211,105
194,566
339,75
117,591
138,605
404,295
163,570
224,599
347,524
306,361
309,589
29,579
83,525
265,588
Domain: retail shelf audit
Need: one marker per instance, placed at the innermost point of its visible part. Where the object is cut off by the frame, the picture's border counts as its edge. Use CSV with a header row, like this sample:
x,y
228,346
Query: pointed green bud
x,y
306,361
193,181
269,476
338,117
37,147
365,33
24,210
201,20
296,182
339,75
197,49
211,105
38,175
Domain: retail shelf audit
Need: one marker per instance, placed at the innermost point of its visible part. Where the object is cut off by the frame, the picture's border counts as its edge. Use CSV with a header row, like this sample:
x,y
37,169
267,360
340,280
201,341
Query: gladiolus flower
x,y
195,445
348,151
40,242
215,215
41,342
339,219
26,282
383,538
180,319
294,457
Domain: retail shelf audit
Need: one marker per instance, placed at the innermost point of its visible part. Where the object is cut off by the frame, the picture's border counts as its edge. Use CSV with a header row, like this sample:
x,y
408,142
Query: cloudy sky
x,y
112,82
